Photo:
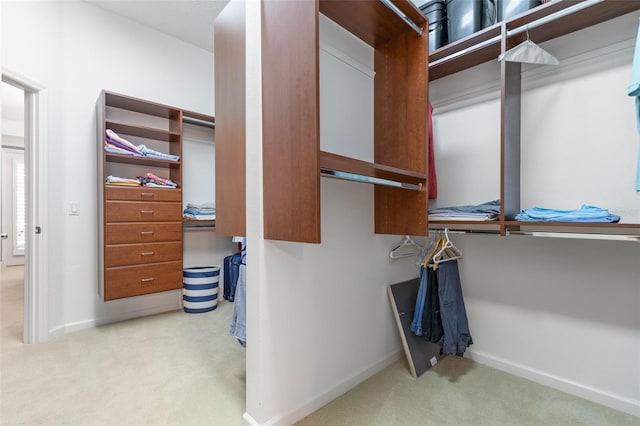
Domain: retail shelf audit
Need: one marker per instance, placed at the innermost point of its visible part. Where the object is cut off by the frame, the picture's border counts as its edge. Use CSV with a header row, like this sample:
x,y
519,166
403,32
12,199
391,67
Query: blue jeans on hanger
x,y
416,324
454,315
238,326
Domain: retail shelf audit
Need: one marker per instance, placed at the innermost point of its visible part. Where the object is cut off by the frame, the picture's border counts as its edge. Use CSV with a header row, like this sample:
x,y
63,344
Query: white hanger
x,y
528,52
448,249
407,248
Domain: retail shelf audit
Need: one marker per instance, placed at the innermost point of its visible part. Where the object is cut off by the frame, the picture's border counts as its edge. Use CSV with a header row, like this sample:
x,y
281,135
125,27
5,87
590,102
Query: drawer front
x,y
138,280
130,211
149,232
142,194
134,254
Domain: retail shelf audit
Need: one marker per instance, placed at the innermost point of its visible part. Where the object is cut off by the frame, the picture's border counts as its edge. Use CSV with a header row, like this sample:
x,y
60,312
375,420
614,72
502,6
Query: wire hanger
x,y
448,251
528,52
407,248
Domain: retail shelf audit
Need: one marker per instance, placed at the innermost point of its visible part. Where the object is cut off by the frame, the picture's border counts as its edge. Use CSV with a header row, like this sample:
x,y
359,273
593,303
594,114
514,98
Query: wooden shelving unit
x,y
292,158
139,228
487,45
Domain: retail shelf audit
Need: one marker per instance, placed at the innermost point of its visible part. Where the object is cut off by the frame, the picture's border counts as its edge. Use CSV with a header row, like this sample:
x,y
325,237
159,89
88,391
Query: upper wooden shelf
x,y
485,45
143,131
372,21
115,100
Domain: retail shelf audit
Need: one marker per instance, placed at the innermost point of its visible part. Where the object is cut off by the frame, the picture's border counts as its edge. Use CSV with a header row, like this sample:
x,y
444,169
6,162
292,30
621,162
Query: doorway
x,y
21,204
12,246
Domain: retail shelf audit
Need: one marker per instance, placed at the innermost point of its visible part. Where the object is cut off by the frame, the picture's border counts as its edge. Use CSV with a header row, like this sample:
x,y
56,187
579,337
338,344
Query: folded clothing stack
x,y
154,181
586,213
479,212
116,144
205,211
120,181
149,179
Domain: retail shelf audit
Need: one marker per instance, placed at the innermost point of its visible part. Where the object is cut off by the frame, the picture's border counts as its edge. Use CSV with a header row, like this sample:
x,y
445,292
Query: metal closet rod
x,y
402,16
198,121
611,237
556,15
549,18
465,231
369,179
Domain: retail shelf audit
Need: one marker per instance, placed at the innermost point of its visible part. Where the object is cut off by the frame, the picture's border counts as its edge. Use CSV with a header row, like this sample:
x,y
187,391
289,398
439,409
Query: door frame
x,y
35,306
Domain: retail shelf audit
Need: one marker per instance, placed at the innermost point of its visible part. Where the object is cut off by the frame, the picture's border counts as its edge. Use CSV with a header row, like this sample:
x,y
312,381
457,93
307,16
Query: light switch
x,y
74,208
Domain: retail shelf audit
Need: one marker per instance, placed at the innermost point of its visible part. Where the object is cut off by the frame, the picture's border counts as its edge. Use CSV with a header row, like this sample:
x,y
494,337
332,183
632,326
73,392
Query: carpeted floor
x,y
167,369
182,369
459,392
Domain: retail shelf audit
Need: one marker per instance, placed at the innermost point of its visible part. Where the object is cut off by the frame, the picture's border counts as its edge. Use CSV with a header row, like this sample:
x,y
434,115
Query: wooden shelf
x,y
143,131
485,45
504,227
585,225
194,223
115,100
340,163
142,161
371,21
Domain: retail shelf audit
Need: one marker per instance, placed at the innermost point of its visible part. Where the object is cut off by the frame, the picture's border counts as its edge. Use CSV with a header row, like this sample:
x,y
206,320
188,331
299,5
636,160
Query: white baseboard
x,y
166,305
323,399
617,402
249,420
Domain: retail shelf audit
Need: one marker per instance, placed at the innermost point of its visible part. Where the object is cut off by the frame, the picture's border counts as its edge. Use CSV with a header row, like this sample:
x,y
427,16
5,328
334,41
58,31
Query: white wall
x,y
561,312
75,50
319,319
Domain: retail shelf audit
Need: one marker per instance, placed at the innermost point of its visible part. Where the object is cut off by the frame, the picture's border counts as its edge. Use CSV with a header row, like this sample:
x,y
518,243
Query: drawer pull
x,y
146,211
147,280
147,194
147,253
146,232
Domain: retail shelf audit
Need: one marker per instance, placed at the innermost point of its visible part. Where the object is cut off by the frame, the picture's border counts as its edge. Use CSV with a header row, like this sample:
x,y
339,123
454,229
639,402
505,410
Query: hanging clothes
x,y
416,324
238,326
634,90
440,316
457,337
431,319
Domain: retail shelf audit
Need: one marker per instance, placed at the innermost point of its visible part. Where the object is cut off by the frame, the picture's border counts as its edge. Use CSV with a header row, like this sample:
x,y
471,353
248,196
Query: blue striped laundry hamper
x,y
200,289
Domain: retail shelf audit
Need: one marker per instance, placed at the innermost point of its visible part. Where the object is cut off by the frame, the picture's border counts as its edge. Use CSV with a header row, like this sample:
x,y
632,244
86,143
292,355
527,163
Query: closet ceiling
x,y
188,20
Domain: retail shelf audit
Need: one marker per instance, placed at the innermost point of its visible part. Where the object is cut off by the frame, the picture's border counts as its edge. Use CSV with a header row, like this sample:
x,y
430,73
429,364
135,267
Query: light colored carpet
x,y
167,369
459,392
184,369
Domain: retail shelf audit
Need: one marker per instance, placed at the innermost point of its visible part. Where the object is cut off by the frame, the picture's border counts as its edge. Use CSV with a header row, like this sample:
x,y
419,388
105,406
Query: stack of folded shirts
x,y
116,144
154,181
205,211
479,212
120,181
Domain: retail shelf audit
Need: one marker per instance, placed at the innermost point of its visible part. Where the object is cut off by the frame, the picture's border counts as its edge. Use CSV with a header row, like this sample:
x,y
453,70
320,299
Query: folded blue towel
x,y
584,214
